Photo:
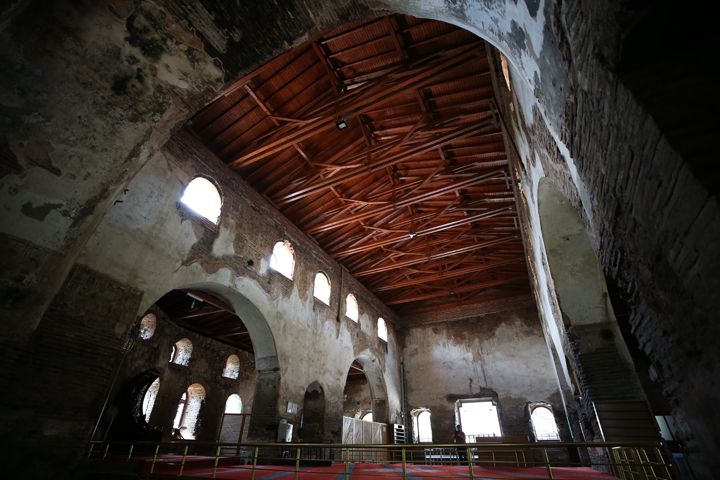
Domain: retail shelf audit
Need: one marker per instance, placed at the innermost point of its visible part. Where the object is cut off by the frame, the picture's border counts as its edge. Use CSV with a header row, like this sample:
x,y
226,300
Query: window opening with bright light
x,y
479,418
187,413
351,307
282,259
203,198
382,329
322,288
543,423
233,405
422,427
181,352
147,326
232,367
149,399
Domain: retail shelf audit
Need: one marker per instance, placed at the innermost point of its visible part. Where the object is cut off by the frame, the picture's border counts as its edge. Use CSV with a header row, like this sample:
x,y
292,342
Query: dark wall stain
x,y
517,37
39,212
533,6
8,160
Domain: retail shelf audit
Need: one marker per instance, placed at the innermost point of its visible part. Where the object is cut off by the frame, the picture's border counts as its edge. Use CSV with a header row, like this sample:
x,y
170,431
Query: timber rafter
x,y
413,195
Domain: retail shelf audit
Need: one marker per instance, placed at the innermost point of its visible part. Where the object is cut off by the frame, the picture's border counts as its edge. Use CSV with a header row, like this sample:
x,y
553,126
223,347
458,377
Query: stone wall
x,y
499,355
649,219
205,367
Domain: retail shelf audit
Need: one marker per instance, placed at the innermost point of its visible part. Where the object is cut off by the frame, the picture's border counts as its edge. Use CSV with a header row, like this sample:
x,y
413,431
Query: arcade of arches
x,y
418,210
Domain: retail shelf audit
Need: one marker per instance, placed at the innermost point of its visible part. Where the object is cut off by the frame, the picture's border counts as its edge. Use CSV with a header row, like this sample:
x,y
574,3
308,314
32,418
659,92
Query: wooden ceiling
x,y
207,315
414,195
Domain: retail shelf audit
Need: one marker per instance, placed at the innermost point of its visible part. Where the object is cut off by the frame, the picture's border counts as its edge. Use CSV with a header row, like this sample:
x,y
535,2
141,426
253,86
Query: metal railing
x,y
551,460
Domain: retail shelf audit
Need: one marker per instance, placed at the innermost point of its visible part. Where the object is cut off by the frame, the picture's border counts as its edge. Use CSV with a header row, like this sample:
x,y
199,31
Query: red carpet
x,y
369,471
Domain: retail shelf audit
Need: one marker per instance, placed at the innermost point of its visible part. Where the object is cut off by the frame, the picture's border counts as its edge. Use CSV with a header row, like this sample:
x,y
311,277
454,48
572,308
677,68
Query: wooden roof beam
x,y
472,288
402,203
436,256
421,233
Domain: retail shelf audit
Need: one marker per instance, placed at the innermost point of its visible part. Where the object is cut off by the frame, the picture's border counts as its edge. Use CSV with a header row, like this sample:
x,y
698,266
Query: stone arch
x,y
313,426
574,267
264,416
598,350
376,381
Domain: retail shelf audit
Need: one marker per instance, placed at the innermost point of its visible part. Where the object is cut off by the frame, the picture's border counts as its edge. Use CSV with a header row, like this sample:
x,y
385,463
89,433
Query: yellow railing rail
x,y
627,461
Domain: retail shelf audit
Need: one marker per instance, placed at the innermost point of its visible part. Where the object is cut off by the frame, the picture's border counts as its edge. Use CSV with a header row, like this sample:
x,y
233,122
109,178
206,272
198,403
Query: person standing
x,y
459,437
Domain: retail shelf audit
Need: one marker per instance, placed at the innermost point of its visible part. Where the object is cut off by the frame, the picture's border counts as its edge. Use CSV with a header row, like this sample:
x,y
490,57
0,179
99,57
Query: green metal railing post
x,y
255,457
297,462
217,459
470,454
157,450
90,450
346,456
404,465
107,449
182,463
132,446
547,463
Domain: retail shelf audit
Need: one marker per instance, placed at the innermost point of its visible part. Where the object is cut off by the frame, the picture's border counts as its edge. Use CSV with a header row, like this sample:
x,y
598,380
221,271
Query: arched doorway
x,y
365,412
313,414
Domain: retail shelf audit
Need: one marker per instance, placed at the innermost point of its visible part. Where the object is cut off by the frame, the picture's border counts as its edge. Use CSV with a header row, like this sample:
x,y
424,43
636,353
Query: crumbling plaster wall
x,y
158,244
501,355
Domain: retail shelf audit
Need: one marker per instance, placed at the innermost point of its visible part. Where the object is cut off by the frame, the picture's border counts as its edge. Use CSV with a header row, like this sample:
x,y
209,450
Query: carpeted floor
x,y
369,471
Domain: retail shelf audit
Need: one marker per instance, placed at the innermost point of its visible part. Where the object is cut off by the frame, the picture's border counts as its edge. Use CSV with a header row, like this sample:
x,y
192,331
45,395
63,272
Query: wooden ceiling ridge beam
x,y
402,203
394,159
440,293
420,233
436,256
444,275
370,99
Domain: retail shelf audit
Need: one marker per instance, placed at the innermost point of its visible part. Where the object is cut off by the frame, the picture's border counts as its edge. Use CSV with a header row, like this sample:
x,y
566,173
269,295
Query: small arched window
x,y
322,288
368,417
351,307
543,423
149,399
423,427
147,326
181,352
203,198
282,259
233,404
382,329
188,410
232,367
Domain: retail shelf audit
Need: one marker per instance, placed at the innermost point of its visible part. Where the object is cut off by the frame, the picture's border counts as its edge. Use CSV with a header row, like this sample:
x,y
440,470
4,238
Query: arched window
x,y
423,427
147,326
232,367
322,288
382,329
188,410
203,198
233,404
181,352
543,423
368,417
149,399
282,259
351,307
